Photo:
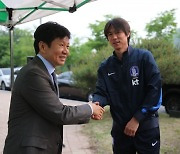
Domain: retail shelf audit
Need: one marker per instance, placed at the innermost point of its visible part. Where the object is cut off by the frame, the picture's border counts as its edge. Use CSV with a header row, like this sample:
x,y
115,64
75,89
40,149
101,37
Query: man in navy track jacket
x,y
130,82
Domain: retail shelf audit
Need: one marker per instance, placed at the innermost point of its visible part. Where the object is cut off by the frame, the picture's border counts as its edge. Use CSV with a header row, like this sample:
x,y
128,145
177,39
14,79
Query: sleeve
x,y
101,94
153,90
38,93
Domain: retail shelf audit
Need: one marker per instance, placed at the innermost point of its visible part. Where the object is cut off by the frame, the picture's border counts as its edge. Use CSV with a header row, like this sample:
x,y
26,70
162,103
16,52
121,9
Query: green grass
x,y
101,141
170,134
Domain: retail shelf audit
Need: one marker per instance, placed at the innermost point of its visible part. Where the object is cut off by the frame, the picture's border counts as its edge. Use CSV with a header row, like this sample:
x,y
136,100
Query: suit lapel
x,y
43,67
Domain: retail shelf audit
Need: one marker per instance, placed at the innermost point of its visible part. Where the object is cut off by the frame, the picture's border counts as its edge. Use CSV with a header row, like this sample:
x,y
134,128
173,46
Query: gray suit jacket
x,y
36,116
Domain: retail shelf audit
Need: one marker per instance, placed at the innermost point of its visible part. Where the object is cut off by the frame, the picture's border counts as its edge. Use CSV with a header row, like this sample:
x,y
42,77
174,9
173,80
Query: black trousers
x,y
145,142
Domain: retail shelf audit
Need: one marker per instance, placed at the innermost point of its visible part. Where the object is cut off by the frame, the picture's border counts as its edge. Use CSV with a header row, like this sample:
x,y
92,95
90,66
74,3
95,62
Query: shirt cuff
x,y
91,109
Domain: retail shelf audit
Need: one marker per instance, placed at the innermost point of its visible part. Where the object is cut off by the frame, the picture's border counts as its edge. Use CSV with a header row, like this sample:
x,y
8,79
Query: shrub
x,y
166,56
85,73
169,68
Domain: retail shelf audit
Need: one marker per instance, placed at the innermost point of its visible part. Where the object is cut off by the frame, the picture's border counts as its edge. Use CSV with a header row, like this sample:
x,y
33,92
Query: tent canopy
x,y
13,12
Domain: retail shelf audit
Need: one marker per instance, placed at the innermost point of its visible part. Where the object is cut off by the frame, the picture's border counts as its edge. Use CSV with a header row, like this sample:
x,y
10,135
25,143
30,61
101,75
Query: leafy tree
x,y
85,74
4,39
162,26
78,52
22,45
159,42
166,56
159,47
98,40
176,39
134,38
4,48
169,68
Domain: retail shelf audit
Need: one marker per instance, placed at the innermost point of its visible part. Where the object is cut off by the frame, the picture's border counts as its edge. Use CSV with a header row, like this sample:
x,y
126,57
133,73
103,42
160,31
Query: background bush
x,y
85,73
166,56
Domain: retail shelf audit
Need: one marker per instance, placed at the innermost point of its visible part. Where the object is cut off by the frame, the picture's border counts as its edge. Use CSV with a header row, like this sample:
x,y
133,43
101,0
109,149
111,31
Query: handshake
x,y
97,111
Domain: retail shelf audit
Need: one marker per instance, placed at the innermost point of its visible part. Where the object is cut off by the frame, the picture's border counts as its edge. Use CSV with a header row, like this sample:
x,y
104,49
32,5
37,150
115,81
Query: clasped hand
x,y
131,127
97,111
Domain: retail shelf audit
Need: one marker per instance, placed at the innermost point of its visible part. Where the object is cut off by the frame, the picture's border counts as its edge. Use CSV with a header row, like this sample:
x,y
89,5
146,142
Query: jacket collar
x,y
40,63
125,56
47,64
127,52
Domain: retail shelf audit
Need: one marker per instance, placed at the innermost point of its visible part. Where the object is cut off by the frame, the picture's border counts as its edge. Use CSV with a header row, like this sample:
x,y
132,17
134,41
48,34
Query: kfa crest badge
x,y
134,72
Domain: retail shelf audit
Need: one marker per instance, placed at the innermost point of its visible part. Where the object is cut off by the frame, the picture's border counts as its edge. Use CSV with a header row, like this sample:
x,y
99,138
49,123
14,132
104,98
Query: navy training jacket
x,y
131,86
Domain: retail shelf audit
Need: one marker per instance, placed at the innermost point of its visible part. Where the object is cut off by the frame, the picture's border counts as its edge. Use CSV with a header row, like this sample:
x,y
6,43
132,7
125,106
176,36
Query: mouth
x,y
116,43
62,58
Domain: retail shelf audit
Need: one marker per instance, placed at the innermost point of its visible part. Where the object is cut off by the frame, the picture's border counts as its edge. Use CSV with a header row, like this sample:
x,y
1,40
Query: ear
x,y
42,47
128,34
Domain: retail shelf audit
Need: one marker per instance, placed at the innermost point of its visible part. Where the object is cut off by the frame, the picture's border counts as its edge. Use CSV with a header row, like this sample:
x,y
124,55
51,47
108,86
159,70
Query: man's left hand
x,y
131,127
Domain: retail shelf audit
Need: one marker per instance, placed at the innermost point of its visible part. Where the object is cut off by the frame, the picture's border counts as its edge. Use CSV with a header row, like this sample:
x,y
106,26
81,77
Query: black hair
x,y
47,32
117,24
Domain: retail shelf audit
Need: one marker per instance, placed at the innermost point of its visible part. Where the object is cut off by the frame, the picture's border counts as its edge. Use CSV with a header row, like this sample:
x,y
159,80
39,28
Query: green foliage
x,y
162,26
159,47
169,67
167,58
98,40
86,72
78,52
176,38
161,30
4,48
22,46
134,38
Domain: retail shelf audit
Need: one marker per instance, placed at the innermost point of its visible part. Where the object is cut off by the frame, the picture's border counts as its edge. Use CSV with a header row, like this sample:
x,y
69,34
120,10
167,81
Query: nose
x,y
66,50
114,36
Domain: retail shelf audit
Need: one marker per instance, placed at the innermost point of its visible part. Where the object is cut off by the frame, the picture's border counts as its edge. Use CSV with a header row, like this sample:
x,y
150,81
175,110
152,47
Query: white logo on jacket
x,y
135,81
153,144
109,74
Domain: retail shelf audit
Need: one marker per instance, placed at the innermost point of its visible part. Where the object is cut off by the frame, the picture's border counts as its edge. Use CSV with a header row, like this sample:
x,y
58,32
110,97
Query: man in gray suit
x,y
36,115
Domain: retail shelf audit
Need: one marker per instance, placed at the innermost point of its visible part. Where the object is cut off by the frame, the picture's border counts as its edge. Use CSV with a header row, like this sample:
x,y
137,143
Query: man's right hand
x,y
97,110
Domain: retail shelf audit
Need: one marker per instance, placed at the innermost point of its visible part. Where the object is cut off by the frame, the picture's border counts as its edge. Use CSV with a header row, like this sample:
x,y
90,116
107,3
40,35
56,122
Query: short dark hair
x,y
47,32
117,24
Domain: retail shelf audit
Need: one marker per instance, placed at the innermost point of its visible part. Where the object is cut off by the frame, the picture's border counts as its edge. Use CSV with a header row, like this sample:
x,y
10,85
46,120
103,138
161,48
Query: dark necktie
x,y
57,92
55,82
